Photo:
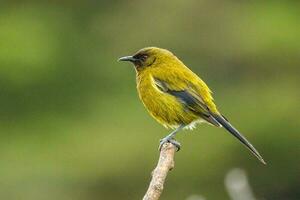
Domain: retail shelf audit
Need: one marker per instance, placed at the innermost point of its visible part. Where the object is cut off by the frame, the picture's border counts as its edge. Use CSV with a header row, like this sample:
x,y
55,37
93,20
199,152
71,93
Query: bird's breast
x,y
165,108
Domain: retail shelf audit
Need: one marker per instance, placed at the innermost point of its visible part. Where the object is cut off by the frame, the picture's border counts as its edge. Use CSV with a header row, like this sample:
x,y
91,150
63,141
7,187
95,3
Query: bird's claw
x,y
169,140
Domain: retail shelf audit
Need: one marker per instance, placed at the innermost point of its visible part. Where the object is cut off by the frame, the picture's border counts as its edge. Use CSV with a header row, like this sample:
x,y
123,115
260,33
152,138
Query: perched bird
x,y
175,96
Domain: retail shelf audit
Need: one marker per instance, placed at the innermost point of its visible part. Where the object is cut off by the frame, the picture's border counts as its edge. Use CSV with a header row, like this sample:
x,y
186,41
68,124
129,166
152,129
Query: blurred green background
x,y
72,126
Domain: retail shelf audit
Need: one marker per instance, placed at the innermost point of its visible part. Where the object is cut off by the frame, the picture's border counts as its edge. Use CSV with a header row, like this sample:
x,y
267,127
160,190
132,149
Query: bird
x,y
175,96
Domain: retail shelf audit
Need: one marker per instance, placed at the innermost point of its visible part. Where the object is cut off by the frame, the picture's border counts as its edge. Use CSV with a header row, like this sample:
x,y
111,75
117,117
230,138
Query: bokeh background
x,y
71,124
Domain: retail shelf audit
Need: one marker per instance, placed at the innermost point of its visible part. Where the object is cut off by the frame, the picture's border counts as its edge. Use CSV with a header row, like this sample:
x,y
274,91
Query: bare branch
x,y
159,174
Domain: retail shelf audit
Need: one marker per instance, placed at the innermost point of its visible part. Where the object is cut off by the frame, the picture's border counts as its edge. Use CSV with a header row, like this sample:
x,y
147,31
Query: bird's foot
x,y
169,140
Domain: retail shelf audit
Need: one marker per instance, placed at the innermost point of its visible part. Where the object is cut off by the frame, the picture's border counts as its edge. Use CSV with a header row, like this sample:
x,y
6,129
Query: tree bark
x,y
159,174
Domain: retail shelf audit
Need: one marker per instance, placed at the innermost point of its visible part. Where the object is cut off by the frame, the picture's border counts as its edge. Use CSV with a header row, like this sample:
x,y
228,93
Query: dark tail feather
x,y
239,136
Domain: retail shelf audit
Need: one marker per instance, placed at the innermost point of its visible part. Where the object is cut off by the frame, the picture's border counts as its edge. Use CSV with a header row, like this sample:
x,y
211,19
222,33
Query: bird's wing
x,y
189,89
188,94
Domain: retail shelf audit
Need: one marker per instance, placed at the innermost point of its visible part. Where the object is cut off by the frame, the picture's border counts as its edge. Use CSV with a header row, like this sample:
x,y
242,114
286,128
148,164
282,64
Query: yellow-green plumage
x,y
165,108
175,96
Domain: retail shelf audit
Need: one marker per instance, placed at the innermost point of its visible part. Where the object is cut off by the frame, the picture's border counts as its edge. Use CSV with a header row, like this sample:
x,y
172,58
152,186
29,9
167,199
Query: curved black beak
x,y
128,58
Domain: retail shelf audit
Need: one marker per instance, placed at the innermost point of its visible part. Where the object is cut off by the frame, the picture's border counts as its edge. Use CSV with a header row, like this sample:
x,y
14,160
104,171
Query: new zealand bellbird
x,y
175,96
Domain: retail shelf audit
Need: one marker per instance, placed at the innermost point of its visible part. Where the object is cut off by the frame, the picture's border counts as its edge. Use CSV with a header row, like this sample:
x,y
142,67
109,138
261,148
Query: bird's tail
x,y
238,135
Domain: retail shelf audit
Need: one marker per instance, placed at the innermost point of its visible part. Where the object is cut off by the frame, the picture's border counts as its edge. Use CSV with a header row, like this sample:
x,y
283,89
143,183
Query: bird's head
x,y
150,57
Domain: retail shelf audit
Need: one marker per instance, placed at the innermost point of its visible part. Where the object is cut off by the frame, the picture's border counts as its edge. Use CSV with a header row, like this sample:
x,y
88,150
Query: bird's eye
x,y
141,57
144,57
